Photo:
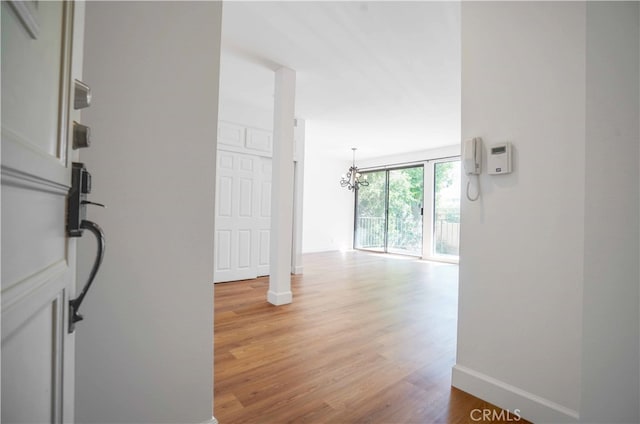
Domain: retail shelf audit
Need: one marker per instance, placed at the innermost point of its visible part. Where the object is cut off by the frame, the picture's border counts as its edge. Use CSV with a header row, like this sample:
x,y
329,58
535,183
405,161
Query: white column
x,y
282,188
296,254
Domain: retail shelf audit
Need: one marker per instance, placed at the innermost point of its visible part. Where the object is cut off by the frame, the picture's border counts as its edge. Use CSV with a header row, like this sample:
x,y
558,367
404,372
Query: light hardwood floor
x,y
368,338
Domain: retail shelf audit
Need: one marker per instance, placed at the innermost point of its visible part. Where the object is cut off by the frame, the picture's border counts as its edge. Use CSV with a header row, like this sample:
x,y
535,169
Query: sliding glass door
x,y
446,209
371,213
389,211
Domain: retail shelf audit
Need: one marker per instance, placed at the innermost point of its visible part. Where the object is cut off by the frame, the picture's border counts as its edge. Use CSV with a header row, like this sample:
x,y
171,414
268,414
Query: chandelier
x,y
351,180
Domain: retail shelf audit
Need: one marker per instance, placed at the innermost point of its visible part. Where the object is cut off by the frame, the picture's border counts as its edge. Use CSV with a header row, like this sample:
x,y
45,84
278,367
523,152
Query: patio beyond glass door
x,y
371,213
389,211
446,209
404,229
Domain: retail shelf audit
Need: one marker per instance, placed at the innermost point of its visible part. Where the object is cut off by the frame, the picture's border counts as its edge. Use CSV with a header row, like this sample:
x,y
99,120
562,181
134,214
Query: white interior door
x,y
38,260
237,196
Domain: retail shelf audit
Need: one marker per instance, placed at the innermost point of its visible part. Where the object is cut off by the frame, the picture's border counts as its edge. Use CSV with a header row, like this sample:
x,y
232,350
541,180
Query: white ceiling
x,y
380,76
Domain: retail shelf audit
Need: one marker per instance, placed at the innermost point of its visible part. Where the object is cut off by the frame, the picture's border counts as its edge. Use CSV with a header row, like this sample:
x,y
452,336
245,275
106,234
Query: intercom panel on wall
x,y
472,156
499,159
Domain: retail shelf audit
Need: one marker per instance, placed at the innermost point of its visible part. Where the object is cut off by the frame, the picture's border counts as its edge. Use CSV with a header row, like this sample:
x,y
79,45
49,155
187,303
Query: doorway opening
x,y
388,213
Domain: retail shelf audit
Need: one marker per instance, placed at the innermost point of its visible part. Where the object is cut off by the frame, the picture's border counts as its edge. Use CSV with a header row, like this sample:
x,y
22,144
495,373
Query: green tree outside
x,y
405,210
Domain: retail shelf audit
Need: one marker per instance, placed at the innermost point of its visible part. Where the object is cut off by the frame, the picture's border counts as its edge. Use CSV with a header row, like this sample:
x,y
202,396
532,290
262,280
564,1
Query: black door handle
x,y
74,305
76,224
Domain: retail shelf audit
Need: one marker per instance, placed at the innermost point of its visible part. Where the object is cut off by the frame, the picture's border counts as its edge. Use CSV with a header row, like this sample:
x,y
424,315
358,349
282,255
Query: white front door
x,y
243,198
41,43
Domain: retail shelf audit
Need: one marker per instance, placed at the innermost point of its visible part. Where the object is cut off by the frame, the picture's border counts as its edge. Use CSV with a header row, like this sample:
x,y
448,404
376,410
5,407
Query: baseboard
x,y
211,421
295,270
277,299
508,397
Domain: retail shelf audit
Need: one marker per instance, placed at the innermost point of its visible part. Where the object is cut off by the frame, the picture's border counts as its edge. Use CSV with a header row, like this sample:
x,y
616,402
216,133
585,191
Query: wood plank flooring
x,y
368,338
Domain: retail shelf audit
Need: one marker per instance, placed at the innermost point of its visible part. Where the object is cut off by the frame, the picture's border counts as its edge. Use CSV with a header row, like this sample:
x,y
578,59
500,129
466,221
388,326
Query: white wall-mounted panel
x,y
230,134
266,169
260,140
225,161
246,163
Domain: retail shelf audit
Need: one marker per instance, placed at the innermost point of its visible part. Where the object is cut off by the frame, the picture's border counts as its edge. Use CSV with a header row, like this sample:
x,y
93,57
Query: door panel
x,y
224,195
42,243
33,349
223,250
263,255
243,216
246,198
38,260
32,69
244,249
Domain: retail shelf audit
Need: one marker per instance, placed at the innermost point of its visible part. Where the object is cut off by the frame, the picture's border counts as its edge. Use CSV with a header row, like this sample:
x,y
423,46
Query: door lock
x,y
76,223
81,136
81,95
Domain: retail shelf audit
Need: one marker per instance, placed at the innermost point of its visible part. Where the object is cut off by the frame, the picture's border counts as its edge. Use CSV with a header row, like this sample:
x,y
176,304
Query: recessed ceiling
x,y
380,76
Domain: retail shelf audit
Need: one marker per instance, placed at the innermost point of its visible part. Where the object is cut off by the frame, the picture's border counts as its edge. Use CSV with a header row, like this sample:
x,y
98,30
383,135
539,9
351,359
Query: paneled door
x,y
242,216
38,260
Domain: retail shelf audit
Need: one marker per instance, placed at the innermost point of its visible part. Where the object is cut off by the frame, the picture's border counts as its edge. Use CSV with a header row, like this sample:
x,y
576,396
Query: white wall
x,y
530,247
420,156
245,114
521,243
327,208
145,348
610,349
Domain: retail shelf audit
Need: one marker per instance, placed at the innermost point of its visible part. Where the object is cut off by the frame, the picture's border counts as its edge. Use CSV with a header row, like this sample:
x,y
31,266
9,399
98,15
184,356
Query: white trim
x,y
531,407
282,298
16,291
242,142
441,259
41,290
211,421
408,158
21,157
27,11
16,178
427,211
298,195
